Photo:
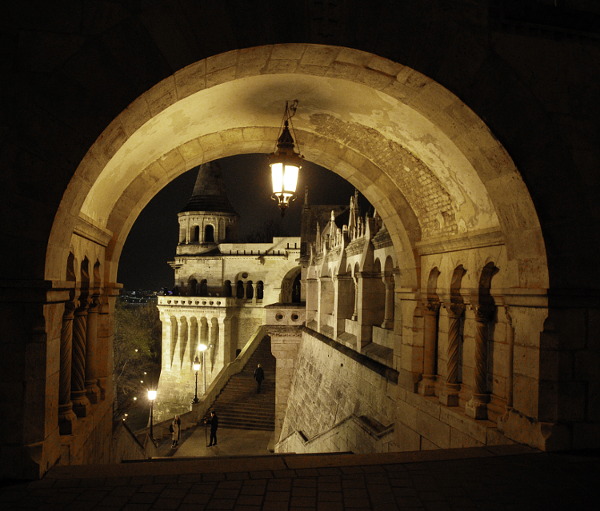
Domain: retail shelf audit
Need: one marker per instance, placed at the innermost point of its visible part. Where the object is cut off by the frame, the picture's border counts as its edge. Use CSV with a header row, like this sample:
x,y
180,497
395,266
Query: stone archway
x,y
384,127
427,163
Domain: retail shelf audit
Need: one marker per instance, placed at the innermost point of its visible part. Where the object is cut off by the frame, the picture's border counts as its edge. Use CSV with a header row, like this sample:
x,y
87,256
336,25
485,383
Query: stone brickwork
x,y
329,389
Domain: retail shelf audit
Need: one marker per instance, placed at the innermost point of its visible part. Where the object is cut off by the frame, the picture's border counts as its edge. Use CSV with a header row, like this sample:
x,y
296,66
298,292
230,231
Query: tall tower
x,y
208,218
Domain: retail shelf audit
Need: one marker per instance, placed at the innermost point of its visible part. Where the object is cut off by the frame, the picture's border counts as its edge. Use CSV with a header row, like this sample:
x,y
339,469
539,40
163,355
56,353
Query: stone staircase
x,y
238,405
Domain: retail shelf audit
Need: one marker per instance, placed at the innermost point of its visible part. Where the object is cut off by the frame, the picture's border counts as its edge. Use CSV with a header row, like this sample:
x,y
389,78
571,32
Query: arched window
x,y
259,290
193,287
196,234
249,290
227,292
209,234
239,292
203,288
296,290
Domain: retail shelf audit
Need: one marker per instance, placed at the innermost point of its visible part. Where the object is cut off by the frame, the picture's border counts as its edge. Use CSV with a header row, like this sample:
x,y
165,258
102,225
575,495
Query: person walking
x,y
214,425
175,429
259,376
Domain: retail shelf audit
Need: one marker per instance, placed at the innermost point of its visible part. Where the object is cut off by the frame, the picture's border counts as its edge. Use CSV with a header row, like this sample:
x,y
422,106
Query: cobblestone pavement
x,y
461,479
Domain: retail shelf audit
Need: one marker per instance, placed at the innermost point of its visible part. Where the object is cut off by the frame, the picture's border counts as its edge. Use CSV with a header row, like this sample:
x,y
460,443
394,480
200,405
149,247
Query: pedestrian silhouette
x,y
214,424
259,376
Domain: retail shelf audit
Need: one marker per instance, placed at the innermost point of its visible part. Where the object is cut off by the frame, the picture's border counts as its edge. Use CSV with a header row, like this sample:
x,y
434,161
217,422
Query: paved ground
x,y
231,442
503,478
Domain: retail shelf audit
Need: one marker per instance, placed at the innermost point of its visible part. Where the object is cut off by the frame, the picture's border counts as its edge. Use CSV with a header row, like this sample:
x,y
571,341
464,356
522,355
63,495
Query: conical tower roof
x,y
209,191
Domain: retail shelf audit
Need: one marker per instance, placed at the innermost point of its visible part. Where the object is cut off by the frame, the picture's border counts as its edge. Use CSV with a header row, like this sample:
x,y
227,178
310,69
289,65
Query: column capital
x,y
455,310
431,307
484,313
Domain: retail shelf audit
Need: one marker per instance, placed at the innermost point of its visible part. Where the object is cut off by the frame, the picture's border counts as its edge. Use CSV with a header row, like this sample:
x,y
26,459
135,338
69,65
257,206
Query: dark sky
x,y
153,238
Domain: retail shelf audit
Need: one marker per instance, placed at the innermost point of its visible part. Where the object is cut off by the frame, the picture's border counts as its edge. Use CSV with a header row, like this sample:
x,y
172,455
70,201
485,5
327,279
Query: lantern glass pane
x,y
290,178
277,177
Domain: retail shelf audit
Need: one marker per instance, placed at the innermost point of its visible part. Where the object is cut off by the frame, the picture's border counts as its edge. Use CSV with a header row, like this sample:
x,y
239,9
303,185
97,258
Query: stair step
x,y
238,404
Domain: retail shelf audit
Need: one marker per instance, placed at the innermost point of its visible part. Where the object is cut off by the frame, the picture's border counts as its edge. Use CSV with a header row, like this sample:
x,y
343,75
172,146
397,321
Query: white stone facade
x,y
218,300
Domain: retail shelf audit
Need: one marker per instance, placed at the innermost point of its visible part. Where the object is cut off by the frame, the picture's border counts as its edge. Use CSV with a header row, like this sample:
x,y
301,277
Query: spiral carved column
x,y
477,405
449,395
78,394
91,352
430,341
66,416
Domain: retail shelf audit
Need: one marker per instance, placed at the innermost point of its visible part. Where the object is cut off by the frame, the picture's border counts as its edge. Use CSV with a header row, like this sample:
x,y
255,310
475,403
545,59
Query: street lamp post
x,y
196,366
151,398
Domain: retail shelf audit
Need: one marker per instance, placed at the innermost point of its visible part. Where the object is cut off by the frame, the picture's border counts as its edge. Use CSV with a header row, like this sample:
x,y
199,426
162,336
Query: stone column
x,y
430,343
343,302
312,299
476,407
355,313
81,403
179,343
91,352
388,317
225,339
254,292
449,395
218,340
66,416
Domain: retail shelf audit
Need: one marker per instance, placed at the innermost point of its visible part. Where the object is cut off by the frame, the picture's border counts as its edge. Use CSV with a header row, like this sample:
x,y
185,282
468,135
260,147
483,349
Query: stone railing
x,y
202,301
127,446
356,434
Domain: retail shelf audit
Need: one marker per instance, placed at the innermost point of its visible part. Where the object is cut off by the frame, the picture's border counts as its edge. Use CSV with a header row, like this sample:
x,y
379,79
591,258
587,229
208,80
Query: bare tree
x,y
136,353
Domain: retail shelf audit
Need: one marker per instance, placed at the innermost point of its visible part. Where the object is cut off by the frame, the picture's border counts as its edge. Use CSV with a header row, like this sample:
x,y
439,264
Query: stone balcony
x,y
197,301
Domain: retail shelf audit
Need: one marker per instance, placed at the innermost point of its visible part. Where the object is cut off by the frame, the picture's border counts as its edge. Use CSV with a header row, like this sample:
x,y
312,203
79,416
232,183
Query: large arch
x,y
389,130
427,163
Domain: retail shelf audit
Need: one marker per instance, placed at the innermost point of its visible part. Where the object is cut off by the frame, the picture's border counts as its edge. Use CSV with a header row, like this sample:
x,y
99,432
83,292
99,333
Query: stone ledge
x,y
387,372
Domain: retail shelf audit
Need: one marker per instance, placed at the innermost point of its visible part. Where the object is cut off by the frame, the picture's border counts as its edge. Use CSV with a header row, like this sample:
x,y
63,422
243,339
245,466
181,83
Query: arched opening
x,y
447,187
193,287
239,293
290,287
249,290
209,234
297,289
259,290
196,234
227,292
203,288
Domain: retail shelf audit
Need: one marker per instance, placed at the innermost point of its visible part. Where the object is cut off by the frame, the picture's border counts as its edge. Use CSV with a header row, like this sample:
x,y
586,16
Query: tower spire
x,y
209,191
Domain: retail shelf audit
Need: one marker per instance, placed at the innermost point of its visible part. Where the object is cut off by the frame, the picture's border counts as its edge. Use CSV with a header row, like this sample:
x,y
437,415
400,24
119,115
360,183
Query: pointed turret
x,y
208,217
209,191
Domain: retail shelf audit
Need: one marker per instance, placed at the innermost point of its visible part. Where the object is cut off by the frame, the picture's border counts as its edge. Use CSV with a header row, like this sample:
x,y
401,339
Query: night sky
x,y
153,238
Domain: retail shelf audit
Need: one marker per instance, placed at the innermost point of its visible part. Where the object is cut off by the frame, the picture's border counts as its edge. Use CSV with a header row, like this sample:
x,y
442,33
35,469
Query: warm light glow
x,y
284,177
152,395
285,162
196,364
202,347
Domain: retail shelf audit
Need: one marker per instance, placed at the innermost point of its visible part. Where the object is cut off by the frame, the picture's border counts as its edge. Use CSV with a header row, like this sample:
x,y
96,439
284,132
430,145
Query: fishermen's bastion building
x,y
221,288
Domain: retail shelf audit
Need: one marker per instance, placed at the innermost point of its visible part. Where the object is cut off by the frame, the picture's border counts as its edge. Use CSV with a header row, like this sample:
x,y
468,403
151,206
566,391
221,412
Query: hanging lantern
x,y
285,162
